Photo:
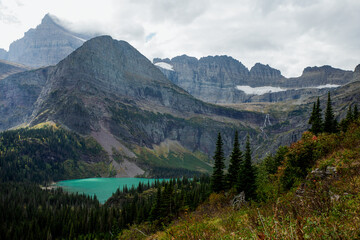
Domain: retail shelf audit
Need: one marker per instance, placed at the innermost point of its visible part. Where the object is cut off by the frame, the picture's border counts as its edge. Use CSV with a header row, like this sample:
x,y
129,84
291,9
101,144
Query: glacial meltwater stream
x,y
103,188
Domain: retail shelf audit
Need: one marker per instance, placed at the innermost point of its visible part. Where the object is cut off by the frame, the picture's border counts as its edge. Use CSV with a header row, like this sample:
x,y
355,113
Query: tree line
x,y
330,124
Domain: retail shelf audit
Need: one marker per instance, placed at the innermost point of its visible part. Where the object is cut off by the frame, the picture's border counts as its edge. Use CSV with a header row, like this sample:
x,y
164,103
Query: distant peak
x,y
357,69
48,18
318,69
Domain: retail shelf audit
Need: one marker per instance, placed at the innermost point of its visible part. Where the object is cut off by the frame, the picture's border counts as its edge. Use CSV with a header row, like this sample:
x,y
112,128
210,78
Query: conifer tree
x,y
356,112
312,116
330,123
235,161
315,119
217,178
349,114
246,180
156,208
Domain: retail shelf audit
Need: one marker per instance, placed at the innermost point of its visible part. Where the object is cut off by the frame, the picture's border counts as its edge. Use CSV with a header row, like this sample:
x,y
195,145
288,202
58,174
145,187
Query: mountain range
x,y
108,90
160,115
222,79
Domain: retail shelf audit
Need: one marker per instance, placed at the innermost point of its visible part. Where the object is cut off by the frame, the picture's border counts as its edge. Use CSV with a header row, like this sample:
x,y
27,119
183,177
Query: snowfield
x,y
268,89
259,90
327,86
165,66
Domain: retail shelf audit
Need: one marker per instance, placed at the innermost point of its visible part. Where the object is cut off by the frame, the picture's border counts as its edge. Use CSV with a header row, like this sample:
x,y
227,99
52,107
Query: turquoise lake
x,y
103,188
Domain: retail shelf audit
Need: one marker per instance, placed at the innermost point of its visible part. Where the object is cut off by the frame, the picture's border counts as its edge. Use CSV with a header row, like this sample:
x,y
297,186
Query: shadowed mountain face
x,y
108,90
45,45
8,68
215,80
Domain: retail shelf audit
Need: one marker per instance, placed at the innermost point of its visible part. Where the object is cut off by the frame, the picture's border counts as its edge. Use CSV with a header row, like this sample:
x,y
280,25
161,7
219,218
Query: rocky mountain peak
x,y
323,69
112,61
357,69
45,45
264,71
184,59
48,19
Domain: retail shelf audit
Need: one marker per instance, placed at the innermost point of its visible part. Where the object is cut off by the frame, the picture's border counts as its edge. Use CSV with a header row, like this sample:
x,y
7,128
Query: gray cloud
x,y
5,17
286,34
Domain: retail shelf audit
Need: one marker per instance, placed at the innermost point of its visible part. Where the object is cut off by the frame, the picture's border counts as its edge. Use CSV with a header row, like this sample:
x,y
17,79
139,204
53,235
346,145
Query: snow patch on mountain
x,y
259,90
327,86
268,89
165,66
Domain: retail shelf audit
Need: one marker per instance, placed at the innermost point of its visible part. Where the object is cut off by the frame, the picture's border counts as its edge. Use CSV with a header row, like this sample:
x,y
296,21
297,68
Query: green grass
x,y
328,208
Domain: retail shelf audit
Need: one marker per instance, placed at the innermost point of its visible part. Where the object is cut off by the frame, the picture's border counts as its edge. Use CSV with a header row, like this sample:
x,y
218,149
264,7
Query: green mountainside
x,y
49,153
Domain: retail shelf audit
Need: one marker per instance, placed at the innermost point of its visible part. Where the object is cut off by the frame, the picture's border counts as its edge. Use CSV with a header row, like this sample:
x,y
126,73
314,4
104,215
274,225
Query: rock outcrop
x,y
3,54
214,79
45,45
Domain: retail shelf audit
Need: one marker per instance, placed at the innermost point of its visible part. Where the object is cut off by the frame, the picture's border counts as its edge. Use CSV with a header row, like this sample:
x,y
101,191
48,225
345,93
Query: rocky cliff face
x,y
264,75
3,54
108,90
45,45
214,79
357,73
19,92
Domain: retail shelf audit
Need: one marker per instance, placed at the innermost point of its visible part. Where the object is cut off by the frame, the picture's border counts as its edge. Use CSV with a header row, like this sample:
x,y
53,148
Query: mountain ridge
x,y
214,79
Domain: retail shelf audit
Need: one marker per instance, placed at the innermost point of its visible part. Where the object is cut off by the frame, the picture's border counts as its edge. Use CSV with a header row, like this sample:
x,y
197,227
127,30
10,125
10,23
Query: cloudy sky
x,y
286,34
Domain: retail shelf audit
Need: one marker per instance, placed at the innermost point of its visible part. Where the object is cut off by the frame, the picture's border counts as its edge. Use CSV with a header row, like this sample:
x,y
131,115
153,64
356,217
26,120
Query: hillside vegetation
x,y
309,190
47,153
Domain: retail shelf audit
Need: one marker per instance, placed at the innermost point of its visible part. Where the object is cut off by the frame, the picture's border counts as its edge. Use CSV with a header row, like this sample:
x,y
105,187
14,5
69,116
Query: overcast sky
x,y
286,34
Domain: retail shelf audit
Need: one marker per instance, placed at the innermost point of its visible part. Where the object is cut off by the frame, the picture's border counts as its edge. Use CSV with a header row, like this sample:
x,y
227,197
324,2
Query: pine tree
x,y
155,212
235,161
315,119
246,180
312,116
349,114
330,123
217,178
356,112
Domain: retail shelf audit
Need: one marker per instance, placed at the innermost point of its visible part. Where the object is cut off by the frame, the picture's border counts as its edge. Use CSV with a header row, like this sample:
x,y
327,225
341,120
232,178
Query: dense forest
x,y
28,212
46,154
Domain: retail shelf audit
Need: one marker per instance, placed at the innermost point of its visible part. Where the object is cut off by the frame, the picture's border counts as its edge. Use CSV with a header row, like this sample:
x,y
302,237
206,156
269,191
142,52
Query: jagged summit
x,y
264,71
45,45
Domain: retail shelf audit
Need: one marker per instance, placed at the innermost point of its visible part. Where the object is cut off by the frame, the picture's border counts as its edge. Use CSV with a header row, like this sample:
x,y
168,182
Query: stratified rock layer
x,y
214,79
45,45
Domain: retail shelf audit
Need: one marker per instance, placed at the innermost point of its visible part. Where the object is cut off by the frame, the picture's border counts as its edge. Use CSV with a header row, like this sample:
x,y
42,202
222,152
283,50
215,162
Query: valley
x,y
96,116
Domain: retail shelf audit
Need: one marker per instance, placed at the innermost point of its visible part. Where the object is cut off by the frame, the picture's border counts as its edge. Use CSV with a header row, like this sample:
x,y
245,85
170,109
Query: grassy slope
x,y
172,154
329,208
